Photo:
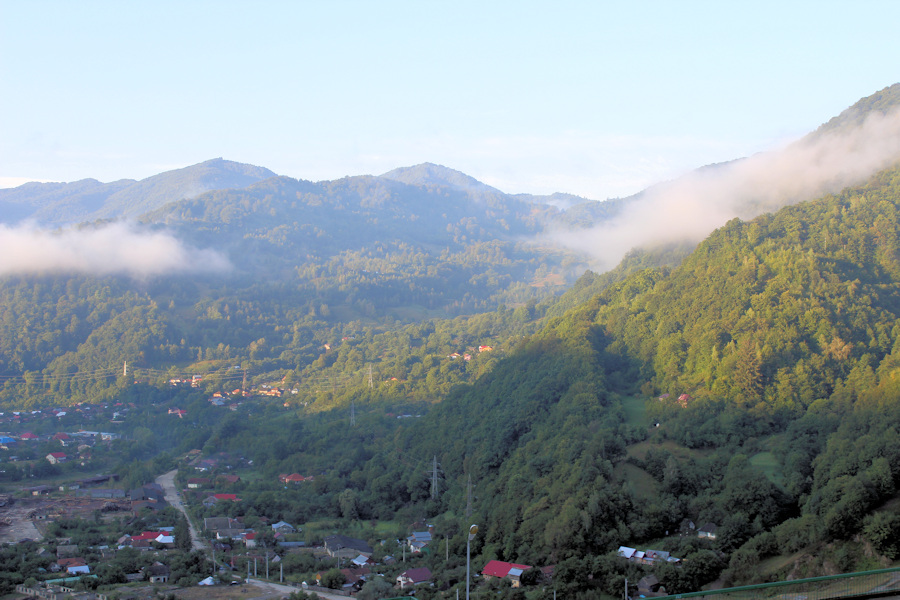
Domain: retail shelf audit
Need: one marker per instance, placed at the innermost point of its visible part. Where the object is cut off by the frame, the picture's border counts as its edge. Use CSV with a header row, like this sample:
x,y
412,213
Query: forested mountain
x,y
60,204
879,103
753,387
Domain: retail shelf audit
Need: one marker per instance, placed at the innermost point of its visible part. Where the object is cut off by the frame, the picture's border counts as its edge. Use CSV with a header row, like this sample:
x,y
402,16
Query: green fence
x,y
882,583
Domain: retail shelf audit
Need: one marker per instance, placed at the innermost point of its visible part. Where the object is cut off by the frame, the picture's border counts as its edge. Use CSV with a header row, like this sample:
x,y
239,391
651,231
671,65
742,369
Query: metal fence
x,y
883,583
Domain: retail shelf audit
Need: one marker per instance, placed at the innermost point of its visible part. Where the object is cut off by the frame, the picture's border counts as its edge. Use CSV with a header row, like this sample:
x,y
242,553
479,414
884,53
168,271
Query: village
x,y
89,531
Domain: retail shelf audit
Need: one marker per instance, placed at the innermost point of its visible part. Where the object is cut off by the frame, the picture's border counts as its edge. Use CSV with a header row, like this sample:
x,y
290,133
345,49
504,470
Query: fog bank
x,y
117,248
691,207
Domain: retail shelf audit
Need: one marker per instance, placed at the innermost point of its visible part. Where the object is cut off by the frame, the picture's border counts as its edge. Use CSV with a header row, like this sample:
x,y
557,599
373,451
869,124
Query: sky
x,y
599,99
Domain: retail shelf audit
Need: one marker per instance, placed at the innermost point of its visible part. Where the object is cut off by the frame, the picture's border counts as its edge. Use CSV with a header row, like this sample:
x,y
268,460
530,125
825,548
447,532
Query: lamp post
x,y
472,531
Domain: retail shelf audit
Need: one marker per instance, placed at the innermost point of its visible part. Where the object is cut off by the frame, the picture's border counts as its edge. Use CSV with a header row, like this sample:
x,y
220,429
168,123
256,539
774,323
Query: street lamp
x,y
472,531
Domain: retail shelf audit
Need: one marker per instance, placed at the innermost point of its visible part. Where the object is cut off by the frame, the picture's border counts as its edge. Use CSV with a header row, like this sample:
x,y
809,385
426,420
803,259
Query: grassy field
x,y
768,464
638,480
635,410
639,450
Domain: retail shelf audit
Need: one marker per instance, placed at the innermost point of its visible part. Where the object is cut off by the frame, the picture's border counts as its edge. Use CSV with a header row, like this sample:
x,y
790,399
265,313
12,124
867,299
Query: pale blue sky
x,y
596,98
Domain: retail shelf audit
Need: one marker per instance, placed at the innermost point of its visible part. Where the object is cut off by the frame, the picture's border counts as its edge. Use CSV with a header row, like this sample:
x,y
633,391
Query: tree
x,y
182,534
883,530
333,578
375,589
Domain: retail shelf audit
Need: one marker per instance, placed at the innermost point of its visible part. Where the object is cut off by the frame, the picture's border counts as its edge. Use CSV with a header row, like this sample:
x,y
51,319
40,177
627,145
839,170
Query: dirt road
x,y
167,481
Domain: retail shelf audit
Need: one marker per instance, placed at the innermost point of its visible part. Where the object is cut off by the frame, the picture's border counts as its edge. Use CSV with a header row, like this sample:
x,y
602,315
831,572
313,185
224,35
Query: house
x,y
354,578
207,464
650,585
101,493
708,531
217,523
294,478
54,458
363,561
283,527
216,498
28,436
510,571
515,576
150,492
74,566
160,537
346,547
62,438
236,534
419,536
157,573
194,483
413,577
249,539
39,490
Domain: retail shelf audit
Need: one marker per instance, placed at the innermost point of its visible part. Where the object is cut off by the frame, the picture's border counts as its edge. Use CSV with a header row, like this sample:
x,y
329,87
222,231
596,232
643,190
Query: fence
x,y
866,584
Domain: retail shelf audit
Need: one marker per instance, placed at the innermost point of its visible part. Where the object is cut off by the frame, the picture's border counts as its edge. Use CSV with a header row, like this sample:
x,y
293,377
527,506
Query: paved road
x,y
167,481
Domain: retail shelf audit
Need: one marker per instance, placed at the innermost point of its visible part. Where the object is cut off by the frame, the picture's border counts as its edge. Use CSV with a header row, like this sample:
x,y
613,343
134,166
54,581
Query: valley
x,y
389,359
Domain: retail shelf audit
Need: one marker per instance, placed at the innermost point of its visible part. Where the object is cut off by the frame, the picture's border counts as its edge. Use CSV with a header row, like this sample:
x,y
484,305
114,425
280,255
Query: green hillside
x,y
404,322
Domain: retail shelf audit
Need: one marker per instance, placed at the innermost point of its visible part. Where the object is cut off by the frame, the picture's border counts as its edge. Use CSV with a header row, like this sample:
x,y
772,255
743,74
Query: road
x,y
286,589
167,481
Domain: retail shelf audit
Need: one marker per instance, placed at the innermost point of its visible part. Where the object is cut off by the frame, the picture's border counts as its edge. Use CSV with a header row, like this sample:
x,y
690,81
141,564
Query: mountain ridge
x,y
60,204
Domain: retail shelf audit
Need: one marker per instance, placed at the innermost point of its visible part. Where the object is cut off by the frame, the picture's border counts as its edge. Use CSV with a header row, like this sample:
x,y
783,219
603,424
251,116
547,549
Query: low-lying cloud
x,y
113,249
691,207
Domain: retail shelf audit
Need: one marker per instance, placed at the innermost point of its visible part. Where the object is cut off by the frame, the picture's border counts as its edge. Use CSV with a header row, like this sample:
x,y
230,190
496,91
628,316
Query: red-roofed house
x,y
294,478
146,535
498,568
216,498
54,458
28,436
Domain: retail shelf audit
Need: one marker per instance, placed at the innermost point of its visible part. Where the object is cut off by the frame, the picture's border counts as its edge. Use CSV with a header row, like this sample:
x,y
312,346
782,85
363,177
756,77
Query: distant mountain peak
x,y
432,174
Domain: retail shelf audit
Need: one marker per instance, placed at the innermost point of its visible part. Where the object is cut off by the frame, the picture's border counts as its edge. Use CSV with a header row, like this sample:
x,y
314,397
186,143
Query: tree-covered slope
x,y
774,313
772,343
60,204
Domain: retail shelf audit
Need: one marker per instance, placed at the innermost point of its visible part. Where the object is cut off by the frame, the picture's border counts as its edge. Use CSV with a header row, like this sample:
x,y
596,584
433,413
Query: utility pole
x,y
370,377
125,369
469,497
